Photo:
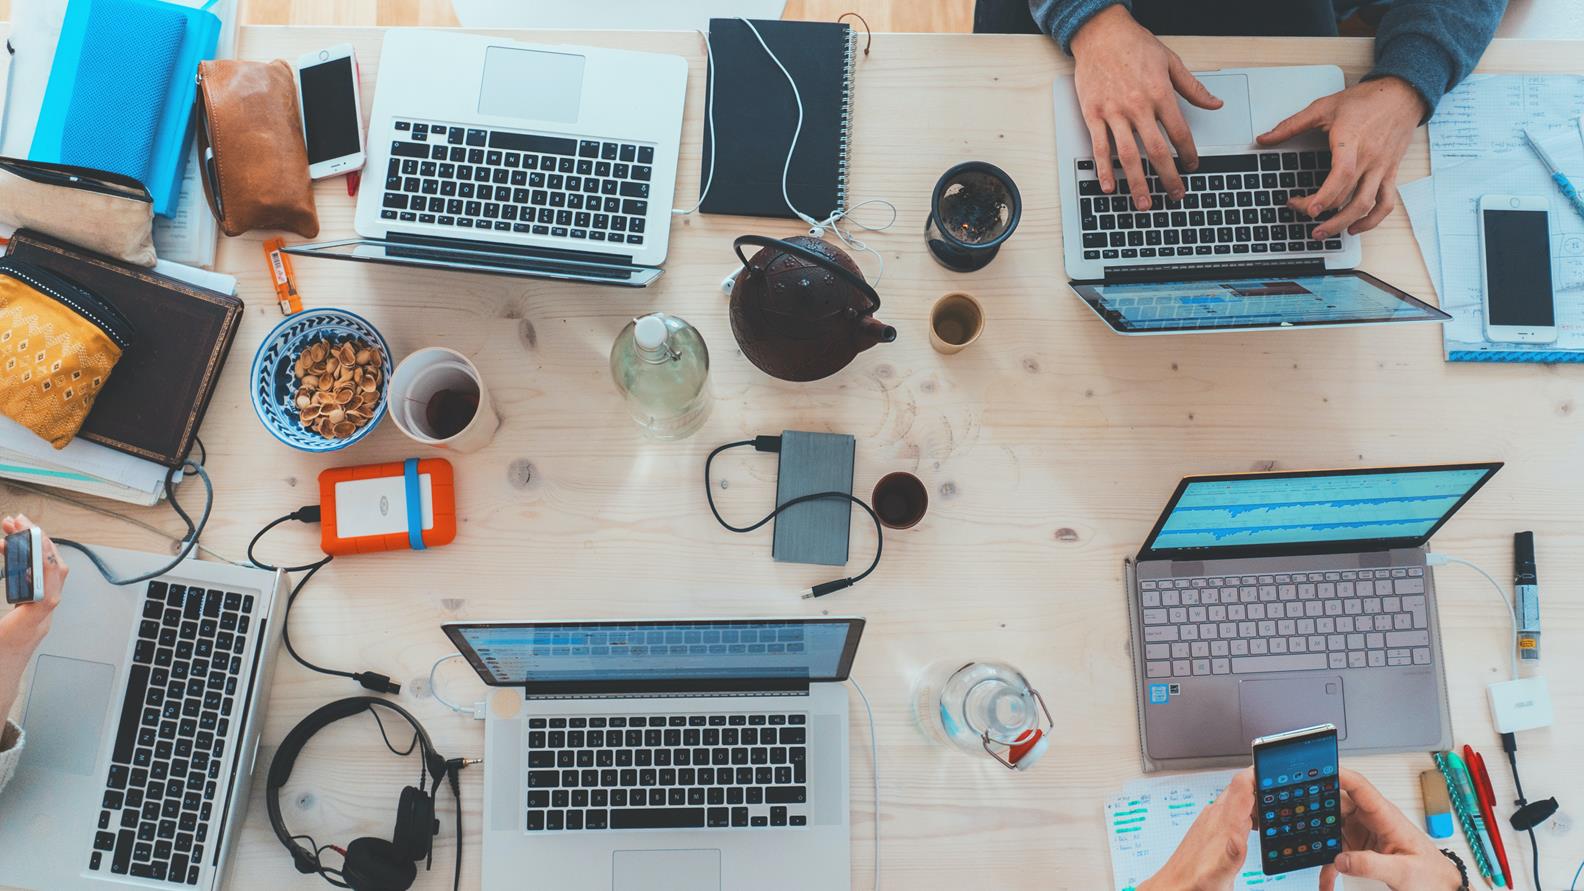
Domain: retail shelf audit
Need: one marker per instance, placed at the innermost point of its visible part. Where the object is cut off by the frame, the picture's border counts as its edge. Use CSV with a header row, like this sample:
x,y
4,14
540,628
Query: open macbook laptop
x,y
1229,255
142,717
490,155
1267,601
658,755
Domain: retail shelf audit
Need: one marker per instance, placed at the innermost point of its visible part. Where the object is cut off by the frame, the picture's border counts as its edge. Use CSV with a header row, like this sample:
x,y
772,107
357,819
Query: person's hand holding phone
x,y
1212,853
1379,842
24,625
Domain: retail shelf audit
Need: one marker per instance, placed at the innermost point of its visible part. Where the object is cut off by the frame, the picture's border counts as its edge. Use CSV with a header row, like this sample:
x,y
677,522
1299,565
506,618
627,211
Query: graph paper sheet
x,y
1148,819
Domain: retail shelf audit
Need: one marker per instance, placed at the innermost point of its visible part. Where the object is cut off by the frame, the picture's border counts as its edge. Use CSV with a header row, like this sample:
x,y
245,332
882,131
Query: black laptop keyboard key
x,y
565,174
1227,195
166,756
669,763
658,818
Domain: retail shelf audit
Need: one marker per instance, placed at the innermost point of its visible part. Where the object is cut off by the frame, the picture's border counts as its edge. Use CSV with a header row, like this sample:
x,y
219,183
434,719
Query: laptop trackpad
x,y
1282,704
665,871
66,714
1230,124
531,84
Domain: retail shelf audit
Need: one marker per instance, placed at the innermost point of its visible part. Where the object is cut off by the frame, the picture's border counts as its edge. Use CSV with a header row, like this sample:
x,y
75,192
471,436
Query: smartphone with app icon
x,y
1297,799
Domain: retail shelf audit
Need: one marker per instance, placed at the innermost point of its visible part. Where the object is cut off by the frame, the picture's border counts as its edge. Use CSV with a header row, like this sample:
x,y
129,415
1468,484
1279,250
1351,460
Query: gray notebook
x,y
815,531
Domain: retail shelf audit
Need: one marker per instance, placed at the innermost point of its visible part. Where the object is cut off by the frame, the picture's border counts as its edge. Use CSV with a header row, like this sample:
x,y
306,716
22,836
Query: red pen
x,y
1487,802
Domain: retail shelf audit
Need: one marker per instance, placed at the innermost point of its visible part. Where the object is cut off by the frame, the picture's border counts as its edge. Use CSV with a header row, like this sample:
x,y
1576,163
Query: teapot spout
x,y
872,331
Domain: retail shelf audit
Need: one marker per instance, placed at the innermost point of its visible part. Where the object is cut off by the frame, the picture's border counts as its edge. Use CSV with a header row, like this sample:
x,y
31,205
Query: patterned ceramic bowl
x,y
274,385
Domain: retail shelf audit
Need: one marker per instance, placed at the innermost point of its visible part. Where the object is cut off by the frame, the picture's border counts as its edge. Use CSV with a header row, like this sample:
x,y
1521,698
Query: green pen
x,y
1468,803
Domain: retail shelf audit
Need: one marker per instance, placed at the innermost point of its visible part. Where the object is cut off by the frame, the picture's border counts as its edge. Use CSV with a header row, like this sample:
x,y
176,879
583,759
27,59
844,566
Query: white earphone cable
x,y
817,228
874,758
709,118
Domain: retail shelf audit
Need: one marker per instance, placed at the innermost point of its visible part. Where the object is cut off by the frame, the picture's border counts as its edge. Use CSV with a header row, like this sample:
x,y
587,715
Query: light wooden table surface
x,y
1048,448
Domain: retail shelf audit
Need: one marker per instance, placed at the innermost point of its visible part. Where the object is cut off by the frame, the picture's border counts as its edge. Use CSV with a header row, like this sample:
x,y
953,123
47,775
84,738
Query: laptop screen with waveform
x,y
1398,507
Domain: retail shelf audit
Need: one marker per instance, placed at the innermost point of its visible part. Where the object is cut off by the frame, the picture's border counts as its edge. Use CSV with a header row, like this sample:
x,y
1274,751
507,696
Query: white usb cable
x,y
1442,559
476,712
874,758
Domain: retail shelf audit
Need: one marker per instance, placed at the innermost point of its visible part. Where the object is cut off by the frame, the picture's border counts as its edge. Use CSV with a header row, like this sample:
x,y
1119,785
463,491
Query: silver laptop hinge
x,y
1159,272
724,694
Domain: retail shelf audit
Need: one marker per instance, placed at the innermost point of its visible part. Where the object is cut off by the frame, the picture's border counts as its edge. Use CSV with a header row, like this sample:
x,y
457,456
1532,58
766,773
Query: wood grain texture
x,y
1048,447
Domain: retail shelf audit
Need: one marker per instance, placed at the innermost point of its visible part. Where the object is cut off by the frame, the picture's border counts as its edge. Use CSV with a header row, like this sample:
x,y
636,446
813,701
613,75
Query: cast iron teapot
x,y
800,308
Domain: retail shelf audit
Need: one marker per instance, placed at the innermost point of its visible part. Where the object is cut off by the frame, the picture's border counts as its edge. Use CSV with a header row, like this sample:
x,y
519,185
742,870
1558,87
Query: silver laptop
x,y
1230,255
490,155
651,755
1267,601
142,715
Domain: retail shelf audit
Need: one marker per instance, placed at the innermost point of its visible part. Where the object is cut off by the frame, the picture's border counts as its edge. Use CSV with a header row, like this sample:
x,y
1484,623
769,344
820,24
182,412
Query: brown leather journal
x,y
152,406
257,177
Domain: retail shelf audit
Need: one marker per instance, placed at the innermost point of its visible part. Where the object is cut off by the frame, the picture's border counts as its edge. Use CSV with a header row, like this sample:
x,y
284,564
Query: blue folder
x,y
121,90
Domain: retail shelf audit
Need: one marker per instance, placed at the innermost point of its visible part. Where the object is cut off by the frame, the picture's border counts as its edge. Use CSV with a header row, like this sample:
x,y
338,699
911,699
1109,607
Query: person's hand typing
x,y
1380,843
1127,83
1211,854
1370,126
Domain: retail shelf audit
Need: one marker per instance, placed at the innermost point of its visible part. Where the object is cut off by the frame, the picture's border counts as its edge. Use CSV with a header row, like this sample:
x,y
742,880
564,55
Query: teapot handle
x,y
823,262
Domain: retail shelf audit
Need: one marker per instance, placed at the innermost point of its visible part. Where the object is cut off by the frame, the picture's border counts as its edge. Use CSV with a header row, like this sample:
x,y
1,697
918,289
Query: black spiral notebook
x,y
755,115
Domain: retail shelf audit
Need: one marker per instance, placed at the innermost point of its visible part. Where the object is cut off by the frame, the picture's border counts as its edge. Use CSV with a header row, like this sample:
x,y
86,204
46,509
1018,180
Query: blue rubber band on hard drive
x,y
414,505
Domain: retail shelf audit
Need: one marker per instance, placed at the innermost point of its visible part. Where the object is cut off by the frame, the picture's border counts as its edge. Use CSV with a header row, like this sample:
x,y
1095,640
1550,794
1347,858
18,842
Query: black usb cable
x,y
1530,813
773,444
310,513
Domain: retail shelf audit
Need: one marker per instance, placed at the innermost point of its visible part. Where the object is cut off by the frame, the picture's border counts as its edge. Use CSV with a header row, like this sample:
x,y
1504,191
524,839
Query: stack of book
x,y
145,421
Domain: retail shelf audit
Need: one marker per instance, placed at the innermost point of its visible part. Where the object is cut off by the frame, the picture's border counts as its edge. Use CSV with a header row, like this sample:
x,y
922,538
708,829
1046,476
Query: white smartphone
x,y
24,566
332,112
1515,266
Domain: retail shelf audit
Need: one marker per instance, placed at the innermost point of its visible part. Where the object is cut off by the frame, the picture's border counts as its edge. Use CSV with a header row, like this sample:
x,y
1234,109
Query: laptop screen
x,y
638,654
1312,511
1346,298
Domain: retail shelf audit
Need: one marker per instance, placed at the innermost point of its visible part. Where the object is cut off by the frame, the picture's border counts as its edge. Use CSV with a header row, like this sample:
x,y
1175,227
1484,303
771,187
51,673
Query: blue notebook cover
x,y
121,90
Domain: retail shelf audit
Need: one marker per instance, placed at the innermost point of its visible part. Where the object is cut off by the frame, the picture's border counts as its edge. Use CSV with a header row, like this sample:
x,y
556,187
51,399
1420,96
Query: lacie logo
x,y
1527,703
384,506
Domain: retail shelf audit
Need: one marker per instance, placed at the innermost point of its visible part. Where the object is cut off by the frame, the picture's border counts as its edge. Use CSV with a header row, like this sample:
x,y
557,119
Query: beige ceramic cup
x,y
956,321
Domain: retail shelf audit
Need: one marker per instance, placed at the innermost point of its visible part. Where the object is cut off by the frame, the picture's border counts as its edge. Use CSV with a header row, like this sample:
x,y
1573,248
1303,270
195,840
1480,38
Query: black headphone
x,y
371,864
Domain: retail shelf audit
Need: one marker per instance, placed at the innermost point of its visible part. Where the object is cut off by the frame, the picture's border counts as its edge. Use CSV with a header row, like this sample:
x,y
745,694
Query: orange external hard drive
x,y
387,507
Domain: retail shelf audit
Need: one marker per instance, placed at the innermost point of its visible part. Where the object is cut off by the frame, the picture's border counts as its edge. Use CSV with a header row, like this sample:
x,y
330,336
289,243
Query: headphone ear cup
x,y
374,864
415,824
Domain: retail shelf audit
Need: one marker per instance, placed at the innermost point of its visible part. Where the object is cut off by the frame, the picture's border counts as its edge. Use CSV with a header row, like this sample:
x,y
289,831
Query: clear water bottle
x,y
986,709
660,364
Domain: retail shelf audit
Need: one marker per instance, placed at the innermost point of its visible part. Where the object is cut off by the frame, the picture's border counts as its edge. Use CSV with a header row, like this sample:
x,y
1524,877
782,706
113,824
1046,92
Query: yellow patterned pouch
x,y
58,344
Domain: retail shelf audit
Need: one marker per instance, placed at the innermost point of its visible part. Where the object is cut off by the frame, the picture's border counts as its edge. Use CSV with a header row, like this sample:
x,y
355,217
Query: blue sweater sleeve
x,y
1061,19
1434,44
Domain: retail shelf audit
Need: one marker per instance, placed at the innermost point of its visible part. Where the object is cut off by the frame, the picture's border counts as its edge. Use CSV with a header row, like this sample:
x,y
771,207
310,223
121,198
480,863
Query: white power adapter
x,y
1521,704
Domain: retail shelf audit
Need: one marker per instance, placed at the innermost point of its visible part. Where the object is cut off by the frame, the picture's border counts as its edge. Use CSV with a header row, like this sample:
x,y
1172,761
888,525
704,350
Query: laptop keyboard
x,y
169,755
1368,618
668,772
527,184
1235,204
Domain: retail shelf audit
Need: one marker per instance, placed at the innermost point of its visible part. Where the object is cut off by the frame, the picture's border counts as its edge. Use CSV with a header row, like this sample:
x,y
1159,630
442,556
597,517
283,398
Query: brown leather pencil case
x,y
251,149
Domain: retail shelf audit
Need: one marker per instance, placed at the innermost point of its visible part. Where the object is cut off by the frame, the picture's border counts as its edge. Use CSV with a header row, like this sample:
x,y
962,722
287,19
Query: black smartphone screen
x,y
1300,823
330,116
1518,268
19,567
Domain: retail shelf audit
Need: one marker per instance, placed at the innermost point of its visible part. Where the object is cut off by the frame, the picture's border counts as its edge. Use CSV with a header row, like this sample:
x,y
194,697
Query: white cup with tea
x,y
438,398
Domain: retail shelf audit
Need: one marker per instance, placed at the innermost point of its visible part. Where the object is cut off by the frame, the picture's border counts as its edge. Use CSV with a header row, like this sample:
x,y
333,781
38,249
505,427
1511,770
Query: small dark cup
x,y
975,208
900,500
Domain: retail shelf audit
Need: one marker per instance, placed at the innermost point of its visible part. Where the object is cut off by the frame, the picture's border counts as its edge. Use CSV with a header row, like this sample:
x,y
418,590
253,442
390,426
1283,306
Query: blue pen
x,y
1557,176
